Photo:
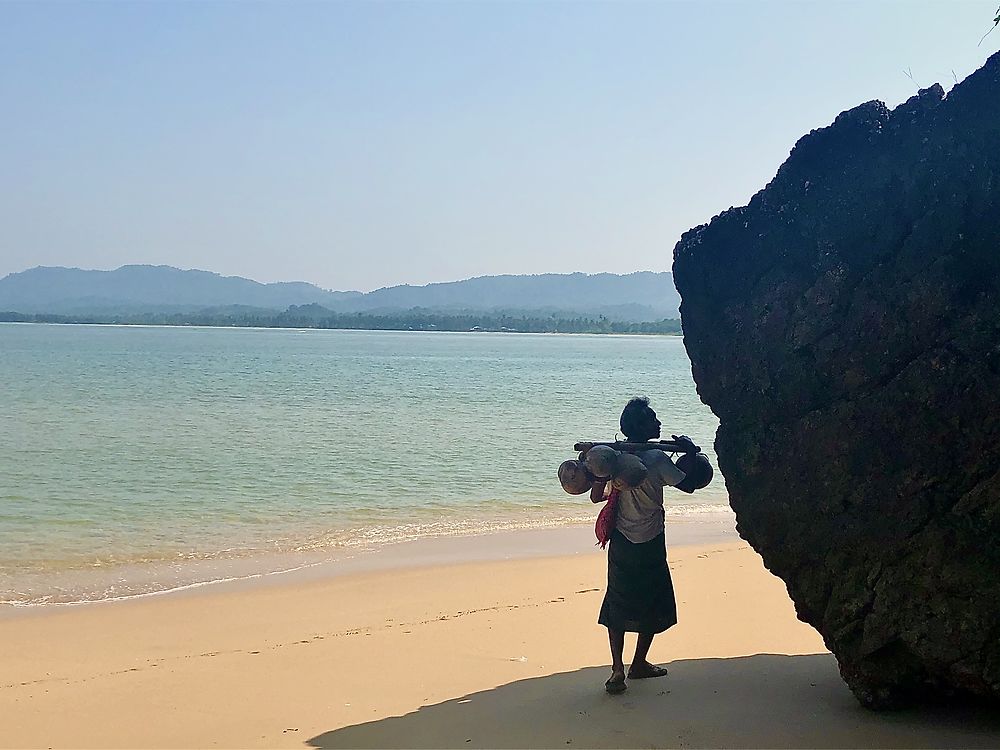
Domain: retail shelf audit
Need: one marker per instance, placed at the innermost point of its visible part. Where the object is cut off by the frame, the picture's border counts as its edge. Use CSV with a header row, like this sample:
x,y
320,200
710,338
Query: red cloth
x,y
606,519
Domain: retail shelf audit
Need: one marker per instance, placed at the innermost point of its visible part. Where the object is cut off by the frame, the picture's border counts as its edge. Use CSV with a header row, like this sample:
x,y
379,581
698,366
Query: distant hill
x,y
643,295
640,296
142,288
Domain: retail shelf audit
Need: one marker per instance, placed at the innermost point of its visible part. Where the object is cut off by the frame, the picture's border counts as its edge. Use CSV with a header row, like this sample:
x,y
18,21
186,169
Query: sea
x,y
137,460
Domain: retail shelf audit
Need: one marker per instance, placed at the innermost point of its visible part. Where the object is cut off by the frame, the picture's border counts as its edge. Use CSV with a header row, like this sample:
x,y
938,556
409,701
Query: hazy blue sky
x,y
358,145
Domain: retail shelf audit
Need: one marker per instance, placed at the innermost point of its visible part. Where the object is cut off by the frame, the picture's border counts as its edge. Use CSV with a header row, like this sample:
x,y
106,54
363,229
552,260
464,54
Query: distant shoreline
x,y
360,322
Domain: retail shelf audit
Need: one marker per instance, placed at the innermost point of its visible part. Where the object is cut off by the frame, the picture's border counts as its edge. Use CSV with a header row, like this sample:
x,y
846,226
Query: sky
x,y
357,145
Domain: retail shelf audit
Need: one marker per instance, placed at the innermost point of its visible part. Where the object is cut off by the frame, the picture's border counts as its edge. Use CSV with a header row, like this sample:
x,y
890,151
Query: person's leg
x,y
616,683
640,668
617,640
642,644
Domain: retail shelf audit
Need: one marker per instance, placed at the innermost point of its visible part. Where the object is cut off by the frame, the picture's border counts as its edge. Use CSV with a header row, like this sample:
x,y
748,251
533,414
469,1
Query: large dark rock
x,y
845,328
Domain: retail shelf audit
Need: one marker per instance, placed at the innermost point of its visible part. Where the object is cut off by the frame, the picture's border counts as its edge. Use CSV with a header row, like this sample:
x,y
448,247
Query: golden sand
x,y
486,654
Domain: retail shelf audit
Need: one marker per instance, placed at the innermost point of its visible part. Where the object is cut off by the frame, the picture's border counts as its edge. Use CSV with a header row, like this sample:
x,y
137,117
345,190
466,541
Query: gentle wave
x,y
109,596
368,536
147,576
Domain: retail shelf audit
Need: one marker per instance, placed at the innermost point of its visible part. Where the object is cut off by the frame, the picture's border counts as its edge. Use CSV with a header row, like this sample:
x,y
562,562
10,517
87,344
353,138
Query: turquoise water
x,y
137,459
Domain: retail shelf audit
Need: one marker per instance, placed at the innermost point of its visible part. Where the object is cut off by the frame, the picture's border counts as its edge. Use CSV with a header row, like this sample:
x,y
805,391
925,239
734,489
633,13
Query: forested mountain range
x,y
134,290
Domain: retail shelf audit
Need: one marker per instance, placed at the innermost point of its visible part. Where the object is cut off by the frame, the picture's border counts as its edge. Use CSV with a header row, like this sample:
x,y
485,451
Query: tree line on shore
x,y
414,320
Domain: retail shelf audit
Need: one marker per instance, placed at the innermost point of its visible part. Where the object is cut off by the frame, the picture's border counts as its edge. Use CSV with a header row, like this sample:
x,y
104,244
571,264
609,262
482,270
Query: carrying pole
x,y
668,446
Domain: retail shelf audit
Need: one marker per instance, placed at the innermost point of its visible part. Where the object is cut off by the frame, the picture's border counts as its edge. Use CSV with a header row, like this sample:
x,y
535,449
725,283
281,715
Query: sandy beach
x,y
494,653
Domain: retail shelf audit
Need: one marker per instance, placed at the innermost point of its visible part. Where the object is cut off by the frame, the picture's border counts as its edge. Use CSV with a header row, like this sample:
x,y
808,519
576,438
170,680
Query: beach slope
x,y
488,654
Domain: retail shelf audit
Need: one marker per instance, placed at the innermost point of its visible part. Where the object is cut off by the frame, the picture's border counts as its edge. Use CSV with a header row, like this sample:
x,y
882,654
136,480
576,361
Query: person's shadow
x,y
754,701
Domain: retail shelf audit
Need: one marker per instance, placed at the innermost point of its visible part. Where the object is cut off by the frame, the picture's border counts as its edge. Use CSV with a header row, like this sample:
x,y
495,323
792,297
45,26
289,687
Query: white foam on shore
x,y
393,547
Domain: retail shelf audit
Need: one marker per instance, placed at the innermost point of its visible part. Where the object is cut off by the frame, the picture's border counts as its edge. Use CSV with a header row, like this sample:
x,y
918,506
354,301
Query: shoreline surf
x,y
446,549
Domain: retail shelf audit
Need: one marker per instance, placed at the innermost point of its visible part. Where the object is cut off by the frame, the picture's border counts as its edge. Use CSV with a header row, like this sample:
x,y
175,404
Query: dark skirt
x,y
640,596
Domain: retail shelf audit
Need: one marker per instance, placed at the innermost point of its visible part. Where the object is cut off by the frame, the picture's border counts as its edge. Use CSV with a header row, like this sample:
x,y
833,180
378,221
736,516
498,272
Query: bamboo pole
x,y
668,446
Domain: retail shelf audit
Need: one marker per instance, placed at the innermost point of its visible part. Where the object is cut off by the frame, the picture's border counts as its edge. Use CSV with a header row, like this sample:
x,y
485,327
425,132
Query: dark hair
x,y
632,414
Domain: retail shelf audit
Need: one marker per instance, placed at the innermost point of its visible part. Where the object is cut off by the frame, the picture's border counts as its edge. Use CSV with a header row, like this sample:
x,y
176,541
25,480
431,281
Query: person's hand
x,y
685,444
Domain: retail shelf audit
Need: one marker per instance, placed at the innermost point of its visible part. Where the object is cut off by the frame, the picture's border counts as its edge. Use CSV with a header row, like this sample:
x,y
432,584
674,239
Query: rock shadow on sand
x,y
765,700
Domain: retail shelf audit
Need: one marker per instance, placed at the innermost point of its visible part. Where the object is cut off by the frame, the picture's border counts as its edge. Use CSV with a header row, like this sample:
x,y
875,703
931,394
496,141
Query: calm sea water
x,y
137,459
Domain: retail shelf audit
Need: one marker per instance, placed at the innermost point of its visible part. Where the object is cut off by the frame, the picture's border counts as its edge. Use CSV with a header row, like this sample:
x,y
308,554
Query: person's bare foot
x,y
644,670
616,683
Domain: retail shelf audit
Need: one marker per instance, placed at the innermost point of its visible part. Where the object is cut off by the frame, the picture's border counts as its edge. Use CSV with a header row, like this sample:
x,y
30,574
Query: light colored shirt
x,y
640,509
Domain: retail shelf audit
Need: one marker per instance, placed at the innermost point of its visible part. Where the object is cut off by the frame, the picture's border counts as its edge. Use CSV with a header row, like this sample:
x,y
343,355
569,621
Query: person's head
x,y
638,421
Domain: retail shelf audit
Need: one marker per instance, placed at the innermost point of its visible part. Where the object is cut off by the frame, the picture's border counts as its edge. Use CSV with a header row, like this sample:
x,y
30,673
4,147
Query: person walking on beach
x,y
640,594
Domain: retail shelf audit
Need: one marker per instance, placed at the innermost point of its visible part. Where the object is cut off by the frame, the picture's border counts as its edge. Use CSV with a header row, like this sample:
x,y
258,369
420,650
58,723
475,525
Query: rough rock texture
x,y
845,328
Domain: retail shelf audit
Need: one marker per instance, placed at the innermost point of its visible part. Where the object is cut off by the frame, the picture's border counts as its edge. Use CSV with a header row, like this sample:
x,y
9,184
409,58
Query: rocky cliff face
x,y
845,328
